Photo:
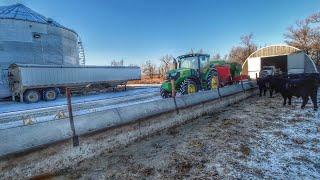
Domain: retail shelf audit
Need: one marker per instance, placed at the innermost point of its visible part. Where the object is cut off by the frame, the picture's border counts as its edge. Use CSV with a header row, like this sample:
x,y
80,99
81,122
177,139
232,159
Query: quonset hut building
x,y
27,37
288,59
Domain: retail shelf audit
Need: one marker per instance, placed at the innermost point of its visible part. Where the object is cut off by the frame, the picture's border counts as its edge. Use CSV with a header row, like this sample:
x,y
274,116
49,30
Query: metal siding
x,y
40,76
310,66
296,63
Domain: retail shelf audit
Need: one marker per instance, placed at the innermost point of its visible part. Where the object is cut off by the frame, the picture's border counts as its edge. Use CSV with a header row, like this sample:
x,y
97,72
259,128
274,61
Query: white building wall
x,y
254,67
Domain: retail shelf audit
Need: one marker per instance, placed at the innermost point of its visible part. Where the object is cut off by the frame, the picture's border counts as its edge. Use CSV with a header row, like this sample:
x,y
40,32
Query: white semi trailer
x,y
32,83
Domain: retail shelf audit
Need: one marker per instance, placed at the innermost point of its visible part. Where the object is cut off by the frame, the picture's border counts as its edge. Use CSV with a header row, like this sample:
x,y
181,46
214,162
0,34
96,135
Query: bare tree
x,y
132,65
192,51
216,56
201,51
237,54
314,18
117,63
305,35
248,44
225,57
315,45
241,53
300,36
149,69
166,62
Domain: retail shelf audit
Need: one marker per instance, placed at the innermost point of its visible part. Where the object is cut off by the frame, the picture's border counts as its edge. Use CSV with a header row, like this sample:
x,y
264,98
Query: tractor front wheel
x,y
164,93
189,86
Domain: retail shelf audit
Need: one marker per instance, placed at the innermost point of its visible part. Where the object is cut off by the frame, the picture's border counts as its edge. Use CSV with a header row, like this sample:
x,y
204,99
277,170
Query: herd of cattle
x,y
298,85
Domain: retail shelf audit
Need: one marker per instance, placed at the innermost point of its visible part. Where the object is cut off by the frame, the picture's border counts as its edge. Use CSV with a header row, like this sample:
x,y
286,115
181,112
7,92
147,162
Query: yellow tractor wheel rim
x,y
191,88
214,83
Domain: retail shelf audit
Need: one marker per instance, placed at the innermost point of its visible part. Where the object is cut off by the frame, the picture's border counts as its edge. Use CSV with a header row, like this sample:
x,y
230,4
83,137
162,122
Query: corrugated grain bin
x,y
27,37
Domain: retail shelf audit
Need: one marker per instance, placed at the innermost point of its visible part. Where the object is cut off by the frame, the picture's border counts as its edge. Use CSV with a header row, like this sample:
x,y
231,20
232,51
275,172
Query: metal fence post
x,y
75,138
242,85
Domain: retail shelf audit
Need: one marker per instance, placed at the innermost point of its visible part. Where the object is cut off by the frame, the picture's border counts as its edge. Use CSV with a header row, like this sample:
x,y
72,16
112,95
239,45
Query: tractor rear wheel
x,y
213,80
189,86
164,93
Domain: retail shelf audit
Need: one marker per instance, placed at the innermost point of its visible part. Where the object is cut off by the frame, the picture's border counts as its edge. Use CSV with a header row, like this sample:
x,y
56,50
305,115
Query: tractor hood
x,y
176,73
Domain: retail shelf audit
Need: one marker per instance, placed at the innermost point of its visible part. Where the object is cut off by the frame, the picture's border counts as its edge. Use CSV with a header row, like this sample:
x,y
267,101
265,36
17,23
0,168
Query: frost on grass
x,y
257,138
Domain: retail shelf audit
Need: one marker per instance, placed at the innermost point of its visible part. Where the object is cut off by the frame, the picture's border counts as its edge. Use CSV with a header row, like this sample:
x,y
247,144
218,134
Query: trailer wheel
x,y
189,86
31,96
50,94
164,93
213,80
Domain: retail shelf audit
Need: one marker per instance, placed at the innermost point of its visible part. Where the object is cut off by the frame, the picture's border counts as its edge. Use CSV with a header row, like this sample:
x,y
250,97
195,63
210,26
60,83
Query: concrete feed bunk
x,y
27,37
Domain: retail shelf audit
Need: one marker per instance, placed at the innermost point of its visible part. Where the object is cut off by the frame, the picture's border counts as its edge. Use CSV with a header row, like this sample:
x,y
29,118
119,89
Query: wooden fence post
x,y
75,138
218,86
173,89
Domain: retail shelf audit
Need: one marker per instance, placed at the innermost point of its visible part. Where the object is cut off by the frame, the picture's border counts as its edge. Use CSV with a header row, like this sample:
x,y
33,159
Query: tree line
x,y
304,35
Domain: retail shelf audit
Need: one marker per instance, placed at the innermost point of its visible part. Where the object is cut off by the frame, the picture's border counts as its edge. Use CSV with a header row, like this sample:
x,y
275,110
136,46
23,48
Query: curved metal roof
x,y
21,12
274,50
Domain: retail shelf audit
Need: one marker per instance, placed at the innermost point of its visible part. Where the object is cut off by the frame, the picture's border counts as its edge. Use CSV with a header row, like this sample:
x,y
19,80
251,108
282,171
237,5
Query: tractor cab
x,y
194,61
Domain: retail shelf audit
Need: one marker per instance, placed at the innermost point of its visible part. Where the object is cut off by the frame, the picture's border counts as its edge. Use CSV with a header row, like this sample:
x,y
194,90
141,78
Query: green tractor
x,y
194,72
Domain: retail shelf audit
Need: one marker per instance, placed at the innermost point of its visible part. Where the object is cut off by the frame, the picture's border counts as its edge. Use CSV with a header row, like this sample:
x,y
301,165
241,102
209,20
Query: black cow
x,y
300,85
280,84
265,84
261,82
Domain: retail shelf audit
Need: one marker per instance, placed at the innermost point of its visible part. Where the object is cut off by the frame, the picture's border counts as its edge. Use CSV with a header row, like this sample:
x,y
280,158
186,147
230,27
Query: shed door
x,y
296,63
254,66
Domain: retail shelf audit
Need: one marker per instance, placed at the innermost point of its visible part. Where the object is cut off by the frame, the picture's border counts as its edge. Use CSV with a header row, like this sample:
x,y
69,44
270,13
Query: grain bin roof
x,y
21,12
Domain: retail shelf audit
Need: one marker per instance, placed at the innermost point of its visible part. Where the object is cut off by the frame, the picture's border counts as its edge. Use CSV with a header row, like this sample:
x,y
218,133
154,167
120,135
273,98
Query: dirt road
x,y
257,138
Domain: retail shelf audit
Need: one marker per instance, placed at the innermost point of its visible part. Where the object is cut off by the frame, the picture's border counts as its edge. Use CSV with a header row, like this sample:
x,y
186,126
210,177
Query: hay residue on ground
x,y
257,138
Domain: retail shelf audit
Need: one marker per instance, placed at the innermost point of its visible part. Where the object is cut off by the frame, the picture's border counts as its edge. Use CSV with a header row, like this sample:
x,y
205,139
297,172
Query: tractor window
x,y
189,62
204,61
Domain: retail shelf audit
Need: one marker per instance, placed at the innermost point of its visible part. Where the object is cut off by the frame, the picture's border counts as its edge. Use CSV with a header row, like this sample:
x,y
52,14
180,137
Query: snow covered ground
x,y
253,139
13,114
9,106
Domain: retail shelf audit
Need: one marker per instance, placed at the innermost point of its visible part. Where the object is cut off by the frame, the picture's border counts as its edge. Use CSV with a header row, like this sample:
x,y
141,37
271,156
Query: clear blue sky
x,y
138,30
